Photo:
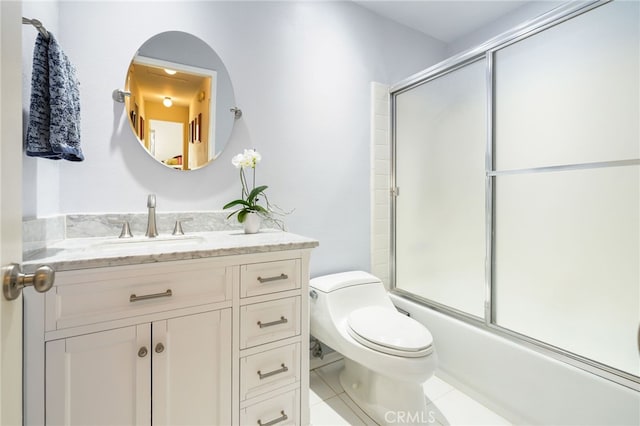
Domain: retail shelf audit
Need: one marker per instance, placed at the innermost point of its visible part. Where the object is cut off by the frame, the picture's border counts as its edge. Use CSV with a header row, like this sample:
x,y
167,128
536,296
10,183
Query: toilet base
x,y
386,400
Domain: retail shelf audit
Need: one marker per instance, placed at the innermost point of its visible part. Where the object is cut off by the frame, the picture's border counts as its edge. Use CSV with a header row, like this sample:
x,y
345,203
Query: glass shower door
x,y
567,186
534,234
440,134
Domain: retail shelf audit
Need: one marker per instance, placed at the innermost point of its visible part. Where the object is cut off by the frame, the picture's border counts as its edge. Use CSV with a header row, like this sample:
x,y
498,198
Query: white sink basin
x,y
141,242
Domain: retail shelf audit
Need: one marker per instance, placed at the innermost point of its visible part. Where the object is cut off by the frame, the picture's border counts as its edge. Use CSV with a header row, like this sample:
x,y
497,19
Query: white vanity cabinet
x,y
271,347
174,371
191,374
214,341
172,365
98,376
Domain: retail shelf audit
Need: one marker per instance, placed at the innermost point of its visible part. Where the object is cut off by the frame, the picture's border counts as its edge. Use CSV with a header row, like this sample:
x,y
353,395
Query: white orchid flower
x,y
249,158
251,195
252,157
238,161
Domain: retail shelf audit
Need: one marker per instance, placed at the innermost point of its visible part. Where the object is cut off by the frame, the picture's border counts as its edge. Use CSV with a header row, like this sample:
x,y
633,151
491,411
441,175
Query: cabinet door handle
x,y
142,352
159,348
276,278
283,369
134,298
282,320
282,418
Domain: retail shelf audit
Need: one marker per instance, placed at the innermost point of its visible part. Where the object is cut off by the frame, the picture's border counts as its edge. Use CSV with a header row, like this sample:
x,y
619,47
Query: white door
x,y
10,207
101,378
192,369
169,139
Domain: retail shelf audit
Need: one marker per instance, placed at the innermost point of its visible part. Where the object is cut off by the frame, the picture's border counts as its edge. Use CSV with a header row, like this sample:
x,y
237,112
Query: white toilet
x,y
388,356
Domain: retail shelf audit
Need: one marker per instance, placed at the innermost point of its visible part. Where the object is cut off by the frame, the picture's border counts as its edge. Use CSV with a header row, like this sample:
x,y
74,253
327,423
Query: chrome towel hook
x,y
38,25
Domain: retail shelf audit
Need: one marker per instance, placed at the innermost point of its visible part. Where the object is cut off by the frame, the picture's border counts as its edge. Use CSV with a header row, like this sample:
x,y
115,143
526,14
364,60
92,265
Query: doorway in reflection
x,y
166,142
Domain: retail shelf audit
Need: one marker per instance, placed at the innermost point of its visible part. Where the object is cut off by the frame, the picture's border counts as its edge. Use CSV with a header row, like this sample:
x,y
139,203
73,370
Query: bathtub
x,y
522,384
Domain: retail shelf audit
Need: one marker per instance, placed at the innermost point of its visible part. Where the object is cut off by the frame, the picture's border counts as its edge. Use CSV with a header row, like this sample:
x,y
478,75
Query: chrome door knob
x,y
42,279
13,280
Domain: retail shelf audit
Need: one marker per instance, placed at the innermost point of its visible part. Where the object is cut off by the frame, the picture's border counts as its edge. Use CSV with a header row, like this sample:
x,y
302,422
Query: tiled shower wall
x,y
380,183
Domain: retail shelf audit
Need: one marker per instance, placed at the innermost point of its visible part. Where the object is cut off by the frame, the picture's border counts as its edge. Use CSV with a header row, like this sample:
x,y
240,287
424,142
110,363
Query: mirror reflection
x,y
180,100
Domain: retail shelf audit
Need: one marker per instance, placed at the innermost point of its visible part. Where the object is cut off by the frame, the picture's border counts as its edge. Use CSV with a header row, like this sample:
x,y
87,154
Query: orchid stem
x,y
243,181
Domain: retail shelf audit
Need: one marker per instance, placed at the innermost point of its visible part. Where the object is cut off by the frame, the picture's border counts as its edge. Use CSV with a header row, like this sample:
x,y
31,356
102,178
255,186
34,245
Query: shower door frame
x,y
485,52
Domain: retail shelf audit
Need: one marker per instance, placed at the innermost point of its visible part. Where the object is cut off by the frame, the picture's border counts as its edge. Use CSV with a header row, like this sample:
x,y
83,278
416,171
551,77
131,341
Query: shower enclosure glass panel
x,y
566,248
570,94
440,143
518,169
567,268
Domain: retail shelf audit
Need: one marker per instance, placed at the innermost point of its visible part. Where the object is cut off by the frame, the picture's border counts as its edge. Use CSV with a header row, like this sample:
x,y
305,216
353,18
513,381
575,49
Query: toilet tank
x,y
333,282
337,295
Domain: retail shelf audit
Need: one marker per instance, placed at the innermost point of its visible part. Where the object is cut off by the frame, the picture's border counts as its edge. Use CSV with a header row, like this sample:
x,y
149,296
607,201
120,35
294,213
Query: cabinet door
x,y
191,372
100,379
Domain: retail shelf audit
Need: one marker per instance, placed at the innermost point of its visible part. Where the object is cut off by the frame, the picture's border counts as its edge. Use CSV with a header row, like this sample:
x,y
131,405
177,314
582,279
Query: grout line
x,y
329,386
333,393
318,363
443,395
329,363
366,419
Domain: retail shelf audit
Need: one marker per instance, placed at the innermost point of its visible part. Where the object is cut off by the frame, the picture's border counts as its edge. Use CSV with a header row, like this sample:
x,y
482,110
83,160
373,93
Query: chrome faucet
x,y
151,221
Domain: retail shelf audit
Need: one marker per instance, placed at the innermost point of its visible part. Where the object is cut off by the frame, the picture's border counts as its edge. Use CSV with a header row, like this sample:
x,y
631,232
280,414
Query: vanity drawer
x,y
269,277
103,294
269,321
269,370
283,409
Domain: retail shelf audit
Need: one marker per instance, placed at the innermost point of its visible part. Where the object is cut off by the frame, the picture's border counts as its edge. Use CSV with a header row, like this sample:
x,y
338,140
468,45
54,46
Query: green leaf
x,y
242,215
235,212
255,192
235,203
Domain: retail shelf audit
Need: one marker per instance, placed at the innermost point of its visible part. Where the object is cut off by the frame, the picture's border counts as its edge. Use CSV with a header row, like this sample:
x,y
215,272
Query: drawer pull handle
x,y
282,418
276,278
282,320
134,298
284,369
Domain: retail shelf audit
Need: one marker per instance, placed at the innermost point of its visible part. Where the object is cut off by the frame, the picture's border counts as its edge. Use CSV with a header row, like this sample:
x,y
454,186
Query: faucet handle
x,y
151,201
126,230
177,229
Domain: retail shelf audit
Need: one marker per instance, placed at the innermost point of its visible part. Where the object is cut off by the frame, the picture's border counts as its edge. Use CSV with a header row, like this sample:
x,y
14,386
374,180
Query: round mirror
x,y
180,104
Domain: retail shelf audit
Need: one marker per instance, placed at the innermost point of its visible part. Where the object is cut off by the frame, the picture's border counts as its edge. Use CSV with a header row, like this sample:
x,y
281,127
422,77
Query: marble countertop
x,y
82,253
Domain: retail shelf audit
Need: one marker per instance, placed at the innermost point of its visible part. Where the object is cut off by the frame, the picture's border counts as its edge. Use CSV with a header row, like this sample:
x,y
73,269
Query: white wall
x,y
301,73
41,178
519,16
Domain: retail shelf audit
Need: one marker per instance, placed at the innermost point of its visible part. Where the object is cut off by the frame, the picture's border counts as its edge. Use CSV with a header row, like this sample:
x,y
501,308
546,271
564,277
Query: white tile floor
x,y
330,405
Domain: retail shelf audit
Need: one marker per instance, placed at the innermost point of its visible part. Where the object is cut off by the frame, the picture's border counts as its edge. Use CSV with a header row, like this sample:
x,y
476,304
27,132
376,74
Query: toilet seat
x,y
387,331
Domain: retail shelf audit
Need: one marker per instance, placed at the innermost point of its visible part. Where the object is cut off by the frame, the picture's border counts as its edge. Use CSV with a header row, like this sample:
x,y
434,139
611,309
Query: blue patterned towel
x,y
54,117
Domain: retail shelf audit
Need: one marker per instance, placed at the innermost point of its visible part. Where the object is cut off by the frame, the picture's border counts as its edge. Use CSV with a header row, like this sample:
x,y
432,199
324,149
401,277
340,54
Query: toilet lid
x,y
388,331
